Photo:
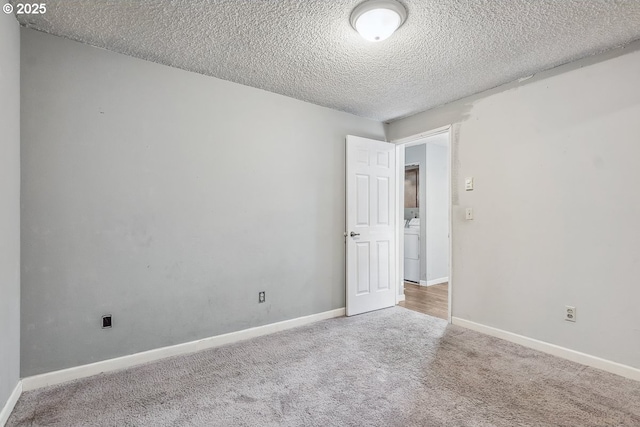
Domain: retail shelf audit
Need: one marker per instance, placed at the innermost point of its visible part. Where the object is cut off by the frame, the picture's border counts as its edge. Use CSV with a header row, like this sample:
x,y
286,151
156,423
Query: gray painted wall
x,y
9,205
555,161
169,200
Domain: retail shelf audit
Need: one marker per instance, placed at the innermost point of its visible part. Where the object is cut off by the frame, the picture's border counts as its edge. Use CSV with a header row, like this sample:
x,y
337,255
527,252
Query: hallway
x,y
431,300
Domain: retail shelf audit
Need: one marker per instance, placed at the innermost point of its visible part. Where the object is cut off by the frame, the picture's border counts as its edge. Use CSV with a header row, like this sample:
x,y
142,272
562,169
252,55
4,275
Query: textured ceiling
x,y
306,49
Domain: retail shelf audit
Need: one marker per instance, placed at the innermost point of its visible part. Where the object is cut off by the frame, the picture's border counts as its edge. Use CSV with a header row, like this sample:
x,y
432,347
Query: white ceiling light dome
x,y
376,20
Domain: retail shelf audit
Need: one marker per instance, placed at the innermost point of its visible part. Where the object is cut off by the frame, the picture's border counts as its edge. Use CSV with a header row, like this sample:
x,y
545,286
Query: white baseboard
x,y
11,403
436,281
400,298
423,283
64,375
555,350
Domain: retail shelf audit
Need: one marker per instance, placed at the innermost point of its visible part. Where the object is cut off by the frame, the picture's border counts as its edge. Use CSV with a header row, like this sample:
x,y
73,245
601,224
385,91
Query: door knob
x,y
352,234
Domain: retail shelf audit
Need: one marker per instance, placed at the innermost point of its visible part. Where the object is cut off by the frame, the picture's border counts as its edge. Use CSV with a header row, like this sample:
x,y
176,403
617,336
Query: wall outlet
x,y
569,313
261,297
468,183
468,214
106,321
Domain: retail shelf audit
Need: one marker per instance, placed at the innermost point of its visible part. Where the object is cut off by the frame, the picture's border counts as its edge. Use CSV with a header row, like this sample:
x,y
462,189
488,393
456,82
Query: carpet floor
x,y
392,367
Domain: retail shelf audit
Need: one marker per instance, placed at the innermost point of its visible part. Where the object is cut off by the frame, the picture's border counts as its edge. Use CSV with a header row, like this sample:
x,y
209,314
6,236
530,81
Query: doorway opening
x,y
424,229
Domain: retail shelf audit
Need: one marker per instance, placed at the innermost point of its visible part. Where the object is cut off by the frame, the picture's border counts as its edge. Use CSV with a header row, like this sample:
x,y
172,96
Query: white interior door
x,y
371,219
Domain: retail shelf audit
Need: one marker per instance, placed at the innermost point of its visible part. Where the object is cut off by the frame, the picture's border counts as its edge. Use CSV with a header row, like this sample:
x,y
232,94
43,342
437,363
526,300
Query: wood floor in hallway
x,y
431,300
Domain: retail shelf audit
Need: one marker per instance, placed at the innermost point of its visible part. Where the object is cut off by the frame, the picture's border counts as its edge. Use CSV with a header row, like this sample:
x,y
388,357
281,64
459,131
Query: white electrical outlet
x,y
468,214
569,313
468,183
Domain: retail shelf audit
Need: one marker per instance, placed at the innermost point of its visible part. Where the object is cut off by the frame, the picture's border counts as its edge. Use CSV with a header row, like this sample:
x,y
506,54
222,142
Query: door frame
x,y
401,144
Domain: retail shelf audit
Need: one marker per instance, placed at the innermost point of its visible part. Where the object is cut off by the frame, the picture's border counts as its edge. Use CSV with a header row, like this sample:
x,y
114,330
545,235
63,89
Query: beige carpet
x,y
393,367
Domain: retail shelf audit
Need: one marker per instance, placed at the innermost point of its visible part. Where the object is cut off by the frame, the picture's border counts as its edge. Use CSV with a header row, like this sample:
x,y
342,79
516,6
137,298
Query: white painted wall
x,y
555,161
437,220
9,205
169,200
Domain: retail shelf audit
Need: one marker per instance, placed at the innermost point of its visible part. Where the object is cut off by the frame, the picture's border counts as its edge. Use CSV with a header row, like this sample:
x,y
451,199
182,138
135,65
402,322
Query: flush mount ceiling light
x,y
376,20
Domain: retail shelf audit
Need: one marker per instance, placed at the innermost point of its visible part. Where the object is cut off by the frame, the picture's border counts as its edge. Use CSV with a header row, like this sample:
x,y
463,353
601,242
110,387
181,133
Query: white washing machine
x,y
412,251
